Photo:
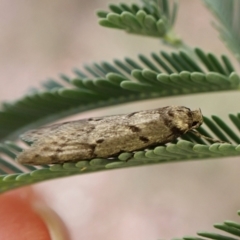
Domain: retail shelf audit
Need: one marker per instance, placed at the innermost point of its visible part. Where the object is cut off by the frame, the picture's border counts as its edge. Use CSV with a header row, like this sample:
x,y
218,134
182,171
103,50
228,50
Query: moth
x,y
105,137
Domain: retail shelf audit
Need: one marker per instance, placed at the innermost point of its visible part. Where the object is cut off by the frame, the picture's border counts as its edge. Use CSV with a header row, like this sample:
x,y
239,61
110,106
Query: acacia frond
x,y
155,18
230,227
16,175
228,17
107,84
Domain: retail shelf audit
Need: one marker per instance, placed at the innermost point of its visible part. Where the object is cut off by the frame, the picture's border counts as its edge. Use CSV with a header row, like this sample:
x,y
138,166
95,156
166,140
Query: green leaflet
x,y
181,151
227,19
231,229
105,84
153,18
191,148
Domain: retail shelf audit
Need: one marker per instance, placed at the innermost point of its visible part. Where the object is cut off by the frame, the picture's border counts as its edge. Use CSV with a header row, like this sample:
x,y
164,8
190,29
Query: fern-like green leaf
x,y
227,15
107,84
155,18
191,148
231,228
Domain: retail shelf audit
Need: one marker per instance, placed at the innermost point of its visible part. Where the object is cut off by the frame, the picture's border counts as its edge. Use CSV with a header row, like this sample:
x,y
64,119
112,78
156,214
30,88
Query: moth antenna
x,y
196,133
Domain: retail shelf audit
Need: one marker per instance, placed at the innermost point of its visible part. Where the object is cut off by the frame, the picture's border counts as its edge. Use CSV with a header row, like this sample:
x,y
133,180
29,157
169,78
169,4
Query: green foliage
x,y
230,227
155,18
107,84
227,22
181,151
191,148
104,84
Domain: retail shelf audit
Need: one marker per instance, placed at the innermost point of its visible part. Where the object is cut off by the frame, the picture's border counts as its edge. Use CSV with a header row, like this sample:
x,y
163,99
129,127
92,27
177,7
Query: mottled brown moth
x,y
105,137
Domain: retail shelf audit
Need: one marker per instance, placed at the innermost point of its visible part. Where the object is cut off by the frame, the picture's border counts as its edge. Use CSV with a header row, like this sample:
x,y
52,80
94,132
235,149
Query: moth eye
x,y
195,123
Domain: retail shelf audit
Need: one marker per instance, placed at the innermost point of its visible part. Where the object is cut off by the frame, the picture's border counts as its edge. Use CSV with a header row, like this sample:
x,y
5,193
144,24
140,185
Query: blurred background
x,y
40,39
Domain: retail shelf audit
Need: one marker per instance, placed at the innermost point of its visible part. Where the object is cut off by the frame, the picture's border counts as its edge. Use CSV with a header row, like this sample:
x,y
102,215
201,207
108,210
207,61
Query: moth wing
x,y
58,143
36,134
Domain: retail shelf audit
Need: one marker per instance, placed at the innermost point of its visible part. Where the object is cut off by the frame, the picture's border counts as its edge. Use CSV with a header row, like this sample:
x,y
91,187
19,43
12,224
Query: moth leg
x,y
196,133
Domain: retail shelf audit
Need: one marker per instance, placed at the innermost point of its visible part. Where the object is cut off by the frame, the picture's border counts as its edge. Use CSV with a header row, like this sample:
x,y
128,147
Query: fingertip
x,y
25,216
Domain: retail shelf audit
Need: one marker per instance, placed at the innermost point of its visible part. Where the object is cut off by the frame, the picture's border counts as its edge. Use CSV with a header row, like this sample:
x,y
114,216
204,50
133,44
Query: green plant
x,y
164,74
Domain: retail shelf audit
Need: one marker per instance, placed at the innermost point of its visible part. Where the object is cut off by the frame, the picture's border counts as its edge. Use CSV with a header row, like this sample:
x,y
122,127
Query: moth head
x,y
197,119
183,119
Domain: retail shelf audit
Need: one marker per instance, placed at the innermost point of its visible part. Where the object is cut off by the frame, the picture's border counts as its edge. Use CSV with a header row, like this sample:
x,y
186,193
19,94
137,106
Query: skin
x,y
108,136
